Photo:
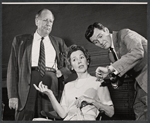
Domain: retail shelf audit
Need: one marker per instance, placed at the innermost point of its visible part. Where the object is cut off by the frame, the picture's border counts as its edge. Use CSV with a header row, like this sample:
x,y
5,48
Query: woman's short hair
x,y
74,48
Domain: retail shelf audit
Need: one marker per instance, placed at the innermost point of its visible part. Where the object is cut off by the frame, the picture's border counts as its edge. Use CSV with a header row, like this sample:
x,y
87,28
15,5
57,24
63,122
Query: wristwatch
x,y
112,76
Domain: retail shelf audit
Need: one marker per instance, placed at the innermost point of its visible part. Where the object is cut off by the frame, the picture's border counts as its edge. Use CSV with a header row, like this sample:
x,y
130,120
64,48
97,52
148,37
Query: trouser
x,y
140,105
36,101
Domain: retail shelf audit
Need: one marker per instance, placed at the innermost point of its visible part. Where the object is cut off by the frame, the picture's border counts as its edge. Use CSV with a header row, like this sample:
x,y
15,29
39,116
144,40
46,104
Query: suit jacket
x,y
131,49
19,66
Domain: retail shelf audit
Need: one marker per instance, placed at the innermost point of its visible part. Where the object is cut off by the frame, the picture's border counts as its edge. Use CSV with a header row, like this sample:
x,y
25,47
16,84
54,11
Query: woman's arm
x,y
108,109
104,101
101,102
56,105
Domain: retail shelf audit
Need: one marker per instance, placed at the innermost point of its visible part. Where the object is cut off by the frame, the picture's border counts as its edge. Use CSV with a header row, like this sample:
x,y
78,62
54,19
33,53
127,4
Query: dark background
x,y
71,21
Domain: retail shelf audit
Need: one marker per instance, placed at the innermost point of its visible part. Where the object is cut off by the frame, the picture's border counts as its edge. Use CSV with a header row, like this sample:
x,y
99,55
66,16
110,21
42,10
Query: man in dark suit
x,y
131,50
34,58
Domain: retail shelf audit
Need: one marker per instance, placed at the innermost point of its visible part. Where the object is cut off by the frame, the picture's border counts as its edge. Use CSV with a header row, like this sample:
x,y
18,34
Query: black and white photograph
x,y
74,61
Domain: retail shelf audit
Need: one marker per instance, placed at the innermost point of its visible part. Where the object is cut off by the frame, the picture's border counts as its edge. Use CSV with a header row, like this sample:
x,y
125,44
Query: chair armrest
x,y
51,115
101,113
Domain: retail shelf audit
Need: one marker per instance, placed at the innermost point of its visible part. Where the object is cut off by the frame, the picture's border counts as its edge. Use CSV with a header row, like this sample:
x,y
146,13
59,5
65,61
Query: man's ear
x,y
36,21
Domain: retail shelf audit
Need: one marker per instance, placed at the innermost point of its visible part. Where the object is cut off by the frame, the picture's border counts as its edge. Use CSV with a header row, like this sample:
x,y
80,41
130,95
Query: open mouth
x,y
104,45
46,28
81,66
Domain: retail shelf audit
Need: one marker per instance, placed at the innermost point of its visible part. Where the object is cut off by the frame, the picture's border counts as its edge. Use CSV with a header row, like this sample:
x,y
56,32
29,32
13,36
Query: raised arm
x,y
56,105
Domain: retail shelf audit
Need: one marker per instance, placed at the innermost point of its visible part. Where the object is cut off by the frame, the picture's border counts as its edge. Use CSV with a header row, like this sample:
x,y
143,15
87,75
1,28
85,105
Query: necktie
x,y
112,55
116,81
41,63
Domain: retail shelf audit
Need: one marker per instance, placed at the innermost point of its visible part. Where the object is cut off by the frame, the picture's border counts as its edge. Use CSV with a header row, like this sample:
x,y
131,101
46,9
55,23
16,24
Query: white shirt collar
x,y
38,37
46,38
112,44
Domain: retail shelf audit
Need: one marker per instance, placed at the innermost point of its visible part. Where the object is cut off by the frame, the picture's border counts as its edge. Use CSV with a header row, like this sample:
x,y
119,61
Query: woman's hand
x,y
87,100
42,88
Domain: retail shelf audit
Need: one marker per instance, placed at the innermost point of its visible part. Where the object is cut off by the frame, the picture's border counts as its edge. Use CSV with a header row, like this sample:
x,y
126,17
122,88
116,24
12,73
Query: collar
x,y
38,37
112,44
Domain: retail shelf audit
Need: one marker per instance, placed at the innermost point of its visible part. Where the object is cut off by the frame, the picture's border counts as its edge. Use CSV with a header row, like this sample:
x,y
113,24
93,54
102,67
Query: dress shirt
x,y
112,46
50,53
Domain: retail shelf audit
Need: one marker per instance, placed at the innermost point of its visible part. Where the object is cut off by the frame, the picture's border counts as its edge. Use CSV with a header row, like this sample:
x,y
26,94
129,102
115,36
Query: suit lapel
x,y
116,43
56,47
28,50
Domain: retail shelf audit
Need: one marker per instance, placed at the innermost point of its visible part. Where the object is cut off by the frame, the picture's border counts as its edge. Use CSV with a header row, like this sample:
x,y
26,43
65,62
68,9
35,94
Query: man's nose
x,y
49,23
100,41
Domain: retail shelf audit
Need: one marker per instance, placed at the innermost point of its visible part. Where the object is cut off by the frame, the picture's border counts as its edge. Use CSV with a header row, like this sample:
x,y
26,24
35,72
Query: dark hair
x,y
90,30
74,48
38,14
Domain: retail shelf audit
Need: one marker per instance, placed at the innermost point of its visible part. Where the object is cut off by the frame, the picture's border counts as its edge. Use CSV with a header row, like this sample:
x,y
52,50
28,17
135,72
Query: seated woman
x,y
84,88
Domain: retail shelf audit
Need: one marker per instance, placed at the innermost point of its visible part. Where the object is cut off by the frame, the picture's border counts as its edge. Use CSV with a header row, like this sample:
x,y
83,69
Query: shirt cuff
x,y
113,70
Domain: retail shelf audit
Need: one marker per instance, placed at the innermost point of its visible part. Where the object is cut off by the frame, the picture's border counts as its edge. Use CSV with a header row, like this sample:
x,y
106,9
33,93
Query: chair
x,y
51,115
55,117
3,106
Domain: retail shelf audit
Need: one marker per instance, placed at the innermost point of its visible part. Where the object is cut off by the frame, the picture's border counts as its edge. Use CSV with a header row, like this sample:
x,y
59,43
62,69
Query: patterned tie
x,y
112,55
41,63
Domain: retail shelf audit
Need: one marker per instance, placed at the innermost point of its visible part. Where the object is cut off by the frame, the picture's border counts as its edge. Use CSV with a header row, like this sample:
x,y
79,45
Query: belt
x,y
49,69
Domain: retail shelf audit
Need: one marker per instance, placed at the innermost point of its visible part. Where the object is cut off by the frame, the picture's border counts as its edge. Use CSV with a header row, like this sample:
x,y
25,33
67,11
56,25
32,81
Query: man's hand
x,y
101,72
13,103
58,73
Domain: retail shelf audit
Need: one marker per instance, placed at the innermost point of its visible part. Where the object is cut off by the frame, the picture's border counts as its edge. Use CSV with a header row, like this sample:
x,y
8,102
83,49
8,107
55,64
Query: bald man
x,y
34,58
